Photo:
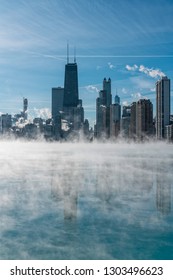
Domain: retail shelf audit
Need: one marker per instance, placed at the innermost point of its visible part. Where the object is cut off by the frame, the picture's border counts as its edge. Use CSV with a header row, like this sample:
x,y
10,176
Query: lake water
x,y
86,201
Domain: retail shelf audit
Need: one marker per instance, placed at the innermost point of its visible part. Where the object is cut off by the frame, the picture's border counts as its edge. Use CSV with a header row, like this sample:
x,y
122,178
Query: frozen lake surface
x,y
86,201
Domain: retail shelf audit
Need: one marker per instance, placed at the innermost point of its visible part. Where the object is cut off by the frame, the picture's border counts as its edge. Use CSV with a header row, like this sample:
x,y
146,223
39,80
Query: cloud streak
x,y
34,24
153,73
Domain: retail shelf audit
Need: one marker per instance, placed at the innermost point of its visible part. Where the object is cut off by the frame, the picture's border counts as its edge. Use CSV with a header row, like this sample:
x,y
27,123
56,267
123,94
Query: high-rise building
x,y
171,119
126,111
67,110
103,103
125,121
144,118
141,119
71,95
162,106
57,101
115,117
73,111
107,88
103,97
169,132
101,110
132,128
117,99
5,123
25,107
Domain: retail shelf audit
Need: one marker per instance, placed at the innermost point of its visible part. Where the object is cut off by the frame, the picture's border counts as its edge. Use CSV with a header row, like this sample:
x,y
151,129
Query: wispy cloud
x,y
138,95
38,54
131,68
35,23
125,103
110,65
92,88
153,73
43,113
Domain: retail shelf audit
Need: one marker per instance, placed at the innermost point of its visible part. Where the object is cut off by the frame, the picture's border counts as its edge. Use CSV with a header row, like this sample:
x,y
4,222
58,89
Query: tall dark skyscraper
x,y
67,110
71,95
144,118
107,88
103,103
162,106
57,101
73,111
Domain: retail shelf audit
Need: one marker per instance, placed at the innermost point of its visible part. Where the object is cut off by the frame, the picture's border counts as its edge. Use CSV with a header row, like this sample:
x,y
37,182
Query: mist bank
x,y
81,138
86,201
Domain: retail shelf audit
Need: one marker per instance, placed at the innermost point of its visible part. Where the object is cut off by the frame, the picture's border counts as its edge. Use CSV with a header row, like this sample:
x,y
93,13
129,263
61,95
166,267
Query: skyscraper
x,y
132,128
67,110
144,118
107,88
100,116
57,101
125,121
115,117
169,132
5,123
25,108
162,106
103,103
71,95
117,99
141,119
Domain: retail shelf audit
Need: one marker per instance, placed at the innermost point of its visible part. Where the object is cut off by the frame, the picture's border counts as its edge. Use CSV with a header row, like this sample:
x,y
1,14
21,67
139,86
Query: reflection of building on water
x,y
163,193
129,177
64,190
70,205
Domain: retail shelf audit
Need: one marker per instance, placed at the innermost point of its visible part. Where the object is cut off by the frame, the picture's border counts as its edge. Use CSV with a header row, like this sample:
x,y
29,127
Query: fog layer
x,y
86,201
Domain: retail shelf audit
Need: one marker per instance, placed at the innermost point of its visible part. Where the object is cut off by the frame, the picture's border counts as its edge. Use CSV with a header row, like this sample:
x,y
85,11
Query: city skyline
x,y
33,50
86,136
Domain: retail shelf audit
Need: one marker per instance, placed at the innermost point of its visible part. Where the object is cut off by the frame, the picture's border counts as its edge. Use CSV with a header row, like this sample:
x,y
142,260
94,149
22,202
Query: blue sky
x,y
129,41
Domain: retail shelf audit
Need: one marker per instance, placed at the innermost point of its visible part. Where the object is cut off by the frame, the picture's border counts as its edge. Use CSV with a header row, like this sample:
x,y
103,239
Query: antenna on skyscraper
x,y
75,54
67,52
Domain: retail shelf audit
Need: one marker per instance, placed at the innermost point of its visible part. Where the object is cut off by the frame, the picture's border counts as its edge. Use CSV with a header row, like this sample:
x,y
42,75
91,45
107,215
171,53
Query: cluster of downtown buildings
x,y
67,121
136,121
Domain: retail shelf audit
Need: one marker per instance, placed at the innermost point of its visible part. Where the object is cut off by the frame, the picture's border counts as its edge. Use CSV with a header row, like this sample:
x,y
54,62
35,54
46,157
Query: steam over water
x,y
86,201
